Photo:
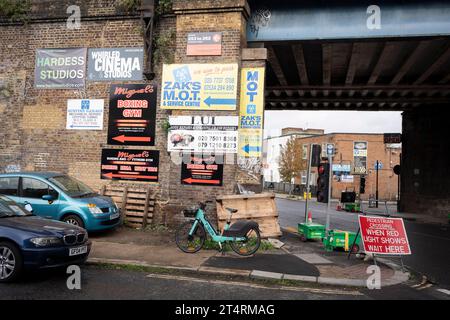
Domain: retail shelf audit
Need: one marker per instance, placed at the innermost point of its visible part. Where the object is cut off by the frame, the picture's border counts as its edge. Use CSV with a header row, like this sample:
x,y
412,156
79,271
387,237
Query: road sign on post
x,y
381,235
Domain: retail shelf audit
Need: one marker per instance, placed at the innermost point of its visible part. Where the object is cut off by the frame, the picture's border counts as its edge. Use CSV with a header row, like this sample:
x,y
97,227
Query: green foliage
x,y
15,10
163,53
128,5
164,7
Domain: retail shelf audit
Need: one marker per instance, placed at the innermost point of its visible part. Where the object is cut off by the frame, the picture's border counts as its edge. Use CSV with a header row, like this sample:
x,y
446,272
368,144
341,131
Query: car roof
x,y
43,174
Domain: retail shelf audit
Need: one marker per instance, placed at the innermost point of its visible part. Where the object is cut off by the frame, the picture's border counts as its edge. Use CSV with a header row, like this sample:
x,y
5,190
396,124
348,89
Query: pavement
x,y
295,261
430,242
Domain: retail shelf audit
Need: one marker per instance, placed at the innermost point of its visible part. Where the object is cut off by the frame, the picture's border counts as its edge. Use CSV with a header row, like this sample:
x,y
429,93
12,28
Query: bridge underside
x,y
367,75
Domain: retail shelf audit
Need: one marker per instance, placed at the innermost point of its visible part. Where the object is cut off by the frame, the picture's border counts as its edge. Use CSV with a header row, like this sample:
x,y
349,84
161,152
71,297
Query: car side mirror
x,y
48,197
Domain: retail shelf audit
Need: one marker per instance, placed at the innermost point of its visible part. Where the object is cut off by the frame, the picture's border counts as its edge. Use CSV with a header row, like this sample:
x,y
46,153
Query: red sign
x,y
383,235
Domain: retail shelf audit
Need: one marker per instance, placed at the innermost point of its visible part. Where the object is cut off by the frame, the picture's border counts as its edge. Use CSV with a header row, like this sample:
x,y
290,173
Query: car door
x,y
32,190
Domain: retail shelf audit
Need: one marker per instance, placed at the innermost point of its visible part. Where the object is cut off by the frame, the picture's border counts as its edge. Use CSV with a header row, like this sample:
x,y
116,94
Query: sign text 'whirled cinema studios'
x,y
60,68
132,115
113,64
199,86
127,164
200,170
203,134
251,112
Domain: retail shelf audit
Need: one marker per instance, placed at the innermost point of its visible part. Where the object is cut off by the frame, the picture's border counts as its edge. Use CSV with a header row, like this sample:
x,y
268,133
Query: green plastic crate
x,y
337,239
310,231
352,207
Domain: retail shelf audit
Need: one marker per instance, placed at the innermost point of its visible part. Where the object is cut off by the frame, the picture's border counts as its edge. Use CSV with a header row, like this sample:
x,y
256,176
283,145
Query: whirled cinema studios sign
x,y
115,64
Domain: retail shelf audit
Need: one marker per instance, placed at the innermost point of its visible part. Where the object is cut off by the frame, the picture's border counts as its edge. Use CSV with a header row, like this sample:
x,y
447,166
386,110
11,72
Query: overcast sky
x,y
333,121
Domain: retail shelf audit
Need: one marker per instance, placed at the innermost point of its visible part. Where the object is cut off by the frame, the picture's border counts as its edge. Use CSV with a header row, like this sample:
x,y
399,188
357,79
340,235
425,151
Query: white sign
x,y
347,179
203,134
85,114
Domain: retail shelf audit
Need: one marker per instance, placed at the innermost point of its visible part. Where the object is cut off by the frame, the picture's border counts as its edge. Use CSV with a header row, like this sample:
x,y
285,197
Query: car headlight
x,y
46,241
94,209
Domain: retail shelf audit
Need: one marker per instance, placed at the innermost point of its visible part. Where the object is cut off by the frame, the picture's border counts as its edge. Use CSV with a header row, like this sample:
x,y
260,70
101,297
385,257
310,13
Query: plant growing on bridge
x,y
15,10
291,161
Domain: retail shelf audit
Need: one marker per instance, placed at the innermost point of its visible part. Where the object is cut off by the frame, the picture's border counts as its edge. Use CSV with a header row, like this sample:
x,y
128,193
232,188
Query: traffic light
x,y
315,157
362,185
323,181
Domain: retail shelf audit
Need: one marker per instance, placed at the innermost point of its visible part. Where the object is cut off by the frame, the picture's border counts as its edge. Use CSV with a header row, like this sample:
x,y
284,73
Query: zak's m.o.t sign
x,y
383,235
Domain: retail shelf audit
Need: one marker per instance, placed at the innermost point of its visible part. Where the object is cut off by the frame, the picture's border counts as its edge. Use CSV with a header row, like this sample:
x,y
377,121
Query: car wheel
x,y
73,220
11,262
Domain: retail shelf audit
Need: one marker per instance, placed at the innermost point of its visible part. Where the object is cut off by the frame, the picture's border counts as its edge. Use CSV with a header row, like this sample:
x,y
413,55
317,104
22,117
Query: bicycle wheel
x,y
250,245
190,243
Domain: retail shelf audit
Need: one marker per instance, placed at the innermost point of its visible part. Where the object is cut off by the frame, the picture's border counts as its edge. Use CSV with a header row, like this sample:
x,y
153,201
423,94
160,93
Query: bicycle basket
x,y
190,213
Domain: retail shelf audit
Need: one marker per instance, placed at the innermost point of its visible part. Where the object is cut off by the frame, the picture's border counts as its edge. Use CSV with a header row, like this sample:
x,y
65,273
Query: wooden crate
x,y
260,208
136,205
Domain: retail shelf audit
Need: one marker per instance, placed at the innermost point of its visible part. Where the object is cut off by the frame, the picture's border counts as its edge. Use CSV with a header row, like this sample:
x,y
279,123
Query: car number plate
x,y
77,251
114,216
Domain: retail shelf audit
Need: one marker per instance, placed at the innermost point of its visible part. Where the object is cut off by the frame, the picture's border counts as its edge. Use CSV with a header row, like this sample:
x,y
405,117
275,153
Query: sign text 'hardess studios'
x,y
60,68
199,86
115,64
85,114
203,134
251,112
132,114
127,164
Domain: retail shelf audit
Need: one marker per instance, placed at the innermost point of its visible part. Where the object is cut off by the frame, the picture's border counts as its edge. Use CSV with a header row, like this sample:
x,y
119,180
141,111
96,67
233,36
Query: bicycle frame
x,y
200,218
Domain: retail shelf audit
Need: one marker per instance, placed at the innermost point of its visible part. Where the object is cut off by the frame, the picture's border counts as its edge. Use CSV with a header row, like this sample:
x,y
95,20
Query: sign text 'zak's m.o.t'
x,y
132,115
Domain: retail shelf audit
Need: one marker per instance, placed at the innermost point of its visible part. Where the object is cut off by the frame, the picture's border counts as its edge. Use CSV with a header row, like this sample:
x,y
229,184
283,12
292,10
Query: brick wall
x,y
32,122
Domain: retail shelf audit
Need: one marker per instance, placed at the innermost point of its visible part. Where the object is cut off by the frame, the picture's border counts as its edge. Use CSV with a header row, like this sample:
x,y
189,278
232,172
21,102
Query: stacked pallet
x,y
136,205
260,208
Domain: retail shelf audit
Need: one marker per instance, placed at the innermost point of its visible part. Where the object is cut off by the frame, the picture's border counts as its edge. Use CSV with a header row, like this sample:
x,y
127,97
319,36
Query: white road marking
x,y
256,286
445,291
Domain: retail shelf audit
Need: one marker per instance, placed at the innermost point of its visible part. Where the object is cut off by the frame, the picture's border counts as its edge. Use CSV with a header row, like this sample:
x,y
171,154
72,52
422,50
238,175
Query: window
x,y
8,186
303,177
305,152
32,188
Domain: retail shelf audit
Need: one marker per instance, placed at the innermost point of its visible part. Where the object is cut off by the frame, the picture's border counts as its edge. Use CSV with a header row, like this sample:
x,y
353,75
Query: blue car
x,y
60,197
28,242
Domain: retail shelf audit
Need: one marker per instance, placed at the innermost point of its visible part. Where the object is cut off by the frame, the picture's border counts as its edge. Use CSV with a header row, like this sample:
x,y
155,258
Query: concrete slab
x,y
299,278
234,272
276,243
313,258
258,274
342,281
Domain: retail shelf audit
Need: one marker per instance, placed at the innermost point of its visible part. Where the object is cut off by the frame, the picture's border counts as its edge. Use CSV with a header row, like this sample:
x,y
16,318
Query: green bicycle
x,y
243,236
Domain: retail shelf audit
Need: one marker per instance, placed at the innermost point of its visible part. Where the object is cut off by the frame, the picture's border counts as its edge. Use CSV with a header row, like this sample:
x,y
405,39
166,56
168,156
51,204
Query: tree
x,y
291,160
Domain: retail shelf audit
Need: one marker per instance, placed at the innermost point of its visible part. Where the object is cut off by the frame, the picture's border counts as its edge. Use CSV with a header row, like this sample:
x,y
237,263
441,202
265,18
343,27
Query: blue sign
x,y
380,165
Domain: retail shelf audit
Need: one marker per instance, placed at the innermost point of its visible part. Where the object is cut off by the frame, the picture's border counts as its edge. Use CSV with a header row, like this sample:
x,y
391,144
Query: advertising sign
x,y
113,64
251,112
341,168
85,114
200,171
60,68
137,165
383,235
392,138
203,134
132,115
204,44
199,86
346,178
360,157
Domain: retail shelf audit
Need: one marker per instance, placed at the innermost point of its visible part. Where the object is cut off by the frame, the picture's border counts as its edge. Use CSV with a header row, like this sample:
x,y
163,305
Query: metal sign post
x,y
330,152
308,175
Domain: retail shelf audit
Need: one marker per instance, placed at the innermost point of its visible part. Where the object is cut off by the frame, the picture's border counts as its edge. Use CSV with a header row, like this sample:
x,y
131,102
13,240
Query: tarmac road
x,y
430,244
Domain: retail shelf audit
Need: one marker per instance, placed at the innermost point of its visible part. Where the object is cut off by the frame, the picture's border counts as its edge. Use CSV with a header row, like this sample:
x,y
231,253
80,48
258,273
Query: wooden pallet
x,y
260,208
136,205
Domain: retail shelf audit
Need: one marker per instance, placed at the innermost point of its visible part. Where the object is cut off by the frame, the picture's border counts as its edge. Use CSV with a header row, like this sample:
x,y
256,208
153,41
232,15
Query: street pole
x,y
308,175
330,180
376,188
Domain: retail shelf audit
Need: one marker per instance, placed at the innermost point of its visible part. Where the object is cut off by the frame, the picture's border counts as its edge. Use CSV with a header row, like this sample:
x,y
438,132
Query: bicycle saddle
x,y
232,210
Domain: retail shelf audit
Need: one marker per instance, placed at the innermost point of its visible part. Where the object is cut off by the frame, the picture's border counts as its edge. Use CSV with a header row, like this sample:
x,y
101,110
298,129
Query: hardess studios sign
x,y
60,68
124,64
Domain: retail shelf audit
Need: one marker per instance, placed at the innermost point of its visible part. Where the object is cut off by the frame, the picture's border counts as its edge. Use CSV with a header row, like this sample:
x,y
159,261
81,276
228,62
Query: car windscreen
x,y
11,209
72,187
